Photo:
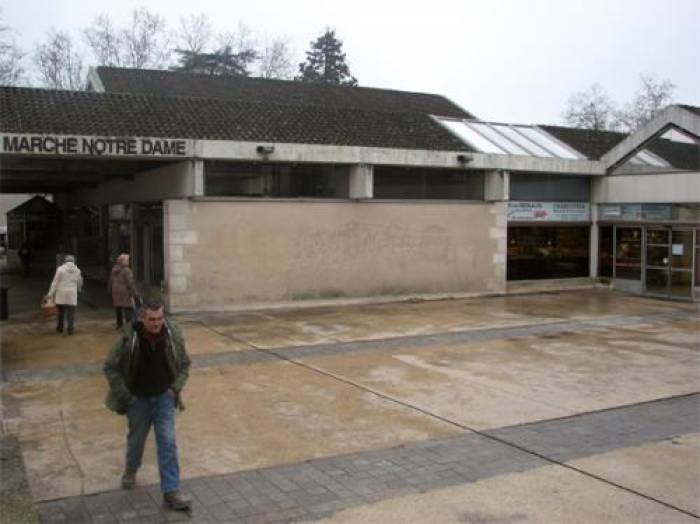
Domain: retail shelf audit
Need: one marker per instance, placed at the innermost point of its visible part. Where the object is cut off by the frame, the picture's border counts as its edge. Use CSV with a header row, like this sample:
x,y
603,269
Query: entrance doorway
x,y
669,262
149,263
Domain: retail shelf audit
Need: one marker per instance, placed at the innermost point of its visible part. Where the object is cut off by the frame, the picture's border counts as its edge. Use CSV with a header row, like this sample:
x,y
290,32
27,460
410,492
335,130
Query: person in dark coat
x,y
123,291
147,369
25,258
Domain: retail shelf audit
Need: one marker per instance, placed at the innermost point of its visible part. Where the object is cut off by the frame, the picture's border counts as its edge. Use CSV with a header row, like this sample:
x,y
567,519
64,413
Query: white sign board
x,y
549,212
94,146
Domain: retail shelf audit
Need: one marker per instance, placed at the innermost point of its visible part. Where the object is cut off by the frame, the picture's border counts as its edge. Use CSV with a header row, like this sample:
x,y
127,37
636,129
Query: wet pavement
x,y
380,413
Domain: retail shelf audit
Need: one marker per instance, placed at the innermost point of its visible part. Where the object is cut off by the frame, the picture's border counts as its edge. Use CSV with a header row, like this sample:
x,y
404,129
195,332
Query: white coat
x,y
66,283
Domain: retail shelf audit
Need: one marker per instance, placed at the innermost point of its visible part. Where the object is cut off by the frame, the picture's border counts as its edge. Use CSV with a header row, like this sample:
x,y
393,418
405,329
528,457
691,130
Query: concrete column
x,y
497,186
596,185
198,176
179,238
361,181
594,246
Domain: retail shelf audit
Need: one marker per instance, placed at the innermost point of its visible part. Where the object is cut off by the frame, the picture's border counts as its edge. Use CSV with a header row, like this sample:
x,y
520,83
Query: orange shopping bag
x,y
48,308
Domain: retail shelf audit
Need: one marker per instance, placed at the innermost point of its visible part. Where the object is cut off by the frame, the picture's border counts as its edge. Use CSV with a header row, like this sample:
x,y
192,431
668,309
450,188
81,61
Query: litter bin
x,y
4,311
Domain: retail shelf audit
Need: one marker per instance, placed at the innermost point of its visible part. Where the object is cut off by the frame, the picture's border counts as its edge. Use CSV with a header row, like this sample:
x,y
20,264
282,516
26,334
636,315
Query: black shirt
x,y
152,376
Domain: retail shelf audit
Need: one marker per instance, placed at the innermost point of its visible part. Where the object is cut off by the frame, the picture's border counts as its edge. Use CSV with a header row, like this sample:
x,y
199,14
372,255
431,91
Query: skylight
x,y
507,139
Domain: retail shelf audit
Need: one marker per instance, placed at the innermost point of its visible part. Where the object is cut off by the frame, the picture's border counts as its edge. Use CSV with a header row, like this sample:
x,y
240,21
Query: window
x,y
275,180
605,252
628,259
422,183
539,187
536,252
504,139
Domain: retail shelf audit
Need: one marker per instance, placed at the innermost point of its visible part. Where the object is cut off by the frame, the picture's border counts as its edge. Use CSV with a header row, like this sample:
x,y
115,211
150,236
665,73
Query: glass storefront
x,y
628,253
659,256
548,238
606,251
539,252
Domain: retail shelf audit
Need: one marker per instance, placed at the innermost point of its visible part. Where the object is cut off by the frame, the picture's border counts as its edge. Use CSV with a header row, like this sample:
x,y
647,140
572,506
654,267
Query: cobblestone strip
x,y
240,358
317,488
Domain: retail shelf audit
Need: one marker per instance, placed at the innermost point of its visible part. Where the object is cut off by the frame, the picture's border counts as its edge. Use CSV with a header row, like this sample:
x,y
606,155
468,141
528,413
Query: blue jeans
x,y
158,411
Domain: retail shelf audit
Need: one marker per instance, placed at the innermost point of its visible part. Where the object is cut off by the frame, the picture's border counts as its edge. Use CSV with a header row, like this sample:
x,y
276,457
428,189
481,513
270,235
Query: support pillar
x,y
361,181
496,186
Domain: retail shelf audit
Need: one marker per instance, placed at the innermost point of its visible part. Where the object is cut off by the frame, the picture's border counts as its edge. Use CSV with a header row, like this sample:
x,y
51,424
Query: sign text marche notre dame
x,y
94,146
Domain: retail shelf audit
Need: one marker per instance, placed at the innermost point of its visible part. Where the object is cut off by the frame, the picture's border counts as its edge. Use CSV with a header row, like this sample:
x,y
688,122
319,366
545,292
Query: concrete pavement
x,y
388,397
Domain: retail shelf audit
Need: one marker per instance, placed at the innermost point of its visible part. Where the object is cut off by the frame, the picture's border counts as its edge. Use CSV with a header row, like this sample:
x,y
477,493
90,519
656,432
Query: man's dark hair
x,y
154,304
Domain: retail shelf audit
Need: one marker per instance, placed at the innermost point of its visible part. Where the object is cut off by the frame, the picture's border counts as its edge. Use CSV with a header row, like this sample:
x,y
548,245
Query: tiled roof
x,y
247,89
27,110
692,109
679,154
591,143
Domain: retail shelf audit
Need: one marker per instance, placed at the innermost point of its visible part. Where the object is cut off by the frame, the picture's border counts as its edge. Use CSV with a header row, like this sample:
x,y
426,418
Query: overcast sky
x,y
504,60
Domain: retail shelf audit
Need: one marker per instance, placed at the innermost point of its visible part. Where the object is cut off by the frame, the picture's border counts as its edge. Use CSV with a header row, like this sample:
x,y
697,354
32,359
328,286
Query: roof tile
x,y
286,92
27,110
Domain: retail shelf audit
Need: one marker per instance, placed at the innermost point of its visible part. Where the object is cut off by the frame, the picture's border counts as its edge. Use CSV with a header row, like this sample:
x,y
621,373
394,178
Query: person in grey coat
x,y
123,291
67,281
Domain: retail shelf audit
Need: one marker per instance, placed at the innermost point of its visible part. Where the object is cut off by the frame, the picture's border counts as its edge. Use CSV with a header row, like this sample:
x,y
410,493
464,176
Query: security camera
x,y
464,159
265,150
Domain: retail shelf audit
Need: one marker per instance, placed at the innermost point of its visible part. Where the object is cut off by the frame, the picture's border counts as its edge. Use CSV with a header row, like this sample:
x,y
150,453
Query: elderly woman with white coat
x,y
64,292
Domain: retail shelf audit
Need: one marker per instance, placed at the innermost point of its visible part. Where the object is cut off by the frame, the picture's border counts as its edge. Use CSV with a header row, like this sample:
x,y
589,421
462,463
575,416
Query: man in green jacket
x,y
146,370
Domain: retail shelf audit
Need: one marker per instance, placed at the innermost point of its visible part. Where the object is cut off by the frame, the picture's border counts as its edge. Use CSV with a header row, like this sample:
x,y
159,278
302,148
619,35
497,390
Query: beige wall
x,y
665,188
227,253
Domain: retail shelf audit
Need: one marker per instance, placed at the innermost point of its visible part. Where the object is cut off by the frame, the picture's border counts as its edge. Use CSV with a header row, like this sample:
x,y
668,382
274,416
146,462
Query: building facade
x,y
237,192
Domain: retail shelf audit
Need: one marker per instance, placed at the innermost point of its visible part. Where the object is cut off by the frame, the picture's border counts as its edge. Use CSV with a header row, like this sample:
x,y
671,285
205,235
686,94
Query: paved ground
x,y
579,406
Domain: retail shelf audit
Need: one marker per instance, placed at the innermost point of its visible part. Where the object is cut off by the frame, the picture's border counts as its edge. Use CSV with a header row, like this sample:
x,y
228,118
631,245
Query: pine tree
x,y
325,62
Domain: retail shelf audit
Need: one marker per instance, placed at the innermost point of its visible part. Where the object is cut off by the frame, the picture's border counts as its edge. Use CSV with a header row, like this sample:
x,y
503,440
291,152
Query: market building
x,y
233,192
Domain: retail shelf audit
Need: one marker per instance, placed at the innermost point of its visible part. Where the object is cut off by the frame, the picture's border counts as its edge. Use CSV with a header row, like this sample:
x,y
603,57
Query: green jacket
x,y
121,363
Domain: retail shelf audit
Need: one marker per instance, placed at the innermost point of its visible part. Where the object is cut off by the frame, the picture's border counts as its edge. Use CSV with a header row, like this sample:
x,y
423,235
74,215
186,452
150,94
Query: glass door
x,y
681,276
658,261
668,269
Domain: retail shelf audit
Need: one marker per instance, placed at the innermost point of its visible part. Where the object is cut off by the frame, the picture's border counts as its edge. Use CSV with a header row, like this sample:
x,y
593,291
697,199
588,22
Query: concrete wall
x,y
243,151
223,253
173,180
665,188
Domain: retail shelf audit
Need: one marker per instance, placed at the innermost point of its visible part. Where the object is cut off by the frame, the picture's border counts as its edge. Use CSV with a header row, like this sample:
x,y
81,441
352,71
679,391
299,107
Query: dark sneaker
x,y
175,500
129,480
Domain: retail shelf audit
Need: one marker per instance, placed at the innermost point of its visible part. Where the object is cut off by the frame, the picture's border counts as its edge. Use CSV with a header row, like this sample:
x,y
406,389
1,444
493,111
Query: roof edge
x,y
280,80
94,81
672,116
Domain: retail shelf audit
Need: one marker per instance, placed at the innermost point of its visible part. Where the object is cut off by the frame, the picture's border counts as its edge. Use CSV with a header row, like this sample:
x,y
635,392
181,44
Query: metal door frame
x,y
669,269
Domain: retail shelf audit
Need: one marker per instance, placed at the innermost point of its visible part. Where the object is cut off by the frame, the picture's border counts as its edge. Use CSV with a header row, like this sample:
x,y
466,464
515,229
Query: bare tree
x,y
105,41
59,64
143,44
146,41
11,58
590,109
652,97
239,41
275,59
194,34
